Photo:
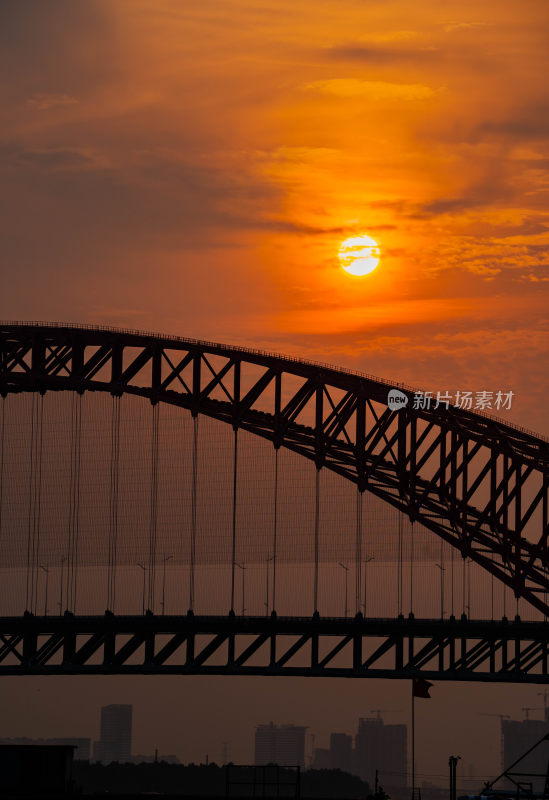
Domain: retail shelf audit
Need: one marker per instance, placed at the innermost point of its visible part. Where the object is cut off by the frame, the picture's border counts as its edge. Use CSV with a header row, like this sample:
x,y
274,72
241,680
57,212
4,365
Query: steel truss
x,y
457,650
481,485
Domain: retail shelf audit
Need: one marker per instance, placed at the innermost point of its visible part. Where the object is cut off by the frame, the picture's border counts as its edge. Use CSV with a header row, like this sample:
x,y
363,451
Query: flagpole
x,y
413,743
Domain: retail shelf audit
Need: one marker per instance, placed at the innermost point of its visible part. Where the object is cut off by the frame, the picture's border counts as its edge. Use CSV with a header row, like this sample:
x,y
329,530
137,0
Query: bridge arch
x,y
478,483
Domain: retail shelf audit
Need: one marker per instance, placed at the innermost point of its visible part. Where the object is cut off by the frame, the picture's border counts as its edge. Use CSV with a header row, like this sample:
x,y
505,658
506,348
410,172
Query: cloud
x,y
45,101
55,158
527,122
55,49
373,53
388,36
450,27
373,90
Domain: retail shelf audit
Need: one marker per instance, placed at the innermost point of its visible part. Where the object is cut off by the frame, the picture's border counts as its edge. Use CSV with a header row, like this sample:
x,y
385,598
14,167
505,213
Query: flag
x,y
420,688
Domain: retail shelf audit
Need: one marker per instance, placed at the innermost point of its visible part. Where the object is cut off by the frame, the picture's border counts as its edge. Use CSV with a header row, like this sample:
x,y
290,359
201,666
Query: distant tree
x,y
205,780
332,783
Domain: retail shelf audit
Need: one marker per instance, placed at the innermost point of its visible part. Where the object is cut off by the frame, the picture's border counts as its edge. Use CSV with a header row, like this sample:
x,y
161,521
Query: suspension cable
x,y
358,550
74,502
317,526
153,508
38,495
469,587
275,525
235,487
77,497
32,509
492,590
69,521
113,502
452,577
442,568
2,441
463,586
193,512
411,567
399,567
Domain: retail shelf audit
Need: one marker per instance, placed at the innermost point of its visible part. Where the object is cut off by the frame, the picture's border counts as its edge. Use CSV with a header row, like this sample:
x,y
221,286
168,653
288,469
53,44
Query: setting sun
x,y
359,255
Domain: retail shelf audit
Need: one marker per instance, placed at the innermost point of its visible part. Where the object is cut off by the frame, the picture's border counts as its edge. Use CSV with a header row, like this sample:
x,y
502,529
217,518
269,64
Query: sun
x,y
359,255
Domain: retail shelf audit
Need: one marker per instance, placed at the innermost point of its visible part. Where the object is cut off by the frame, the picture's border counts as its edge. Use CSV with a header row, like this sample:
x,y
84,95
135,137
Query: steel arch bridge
x,y
479,484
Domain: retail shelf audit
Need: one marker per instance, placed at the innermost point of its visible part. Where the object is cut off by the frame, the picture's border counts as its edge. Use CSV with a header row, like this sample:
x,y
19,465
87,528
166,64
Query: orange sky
x,y
194,168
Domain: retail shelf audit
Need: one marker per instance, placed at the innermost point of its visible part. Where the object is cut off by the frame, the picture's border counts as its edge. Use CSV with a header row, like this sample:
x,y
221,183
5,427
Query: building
x,y
36,770
115,742
383,748
280,744
518,737
80,746
341,752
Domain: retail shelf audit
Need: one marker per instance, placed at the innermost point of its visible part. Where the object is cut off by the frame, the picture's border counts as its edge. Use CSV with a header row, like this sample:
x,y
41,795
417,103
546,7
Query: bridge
x,y
464,486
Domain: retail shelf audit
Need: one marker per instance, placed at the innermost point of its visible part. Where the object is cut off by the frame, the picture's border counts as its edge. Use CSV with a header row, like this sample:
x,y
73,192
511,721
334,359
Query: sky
x,y
193,168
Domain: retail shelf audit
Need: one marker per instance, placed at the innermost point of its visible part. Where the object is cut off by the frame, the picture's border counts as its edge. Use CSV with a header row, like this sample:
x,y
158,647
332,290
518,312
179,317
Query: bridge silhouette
x,y
459,483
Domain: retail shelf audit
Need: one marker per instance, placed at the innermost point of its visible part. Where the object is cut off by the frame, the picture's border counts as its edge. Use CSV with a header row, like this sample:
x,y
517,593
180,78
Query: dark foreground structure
x,y
230,781
36,771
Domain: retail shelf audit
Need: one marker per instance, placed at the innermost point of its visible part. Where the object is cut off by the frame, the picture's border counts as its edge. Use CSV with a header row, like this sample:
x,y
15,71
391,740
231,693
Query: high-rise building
x,y
381,747
115,742
341,752
280,744
518,737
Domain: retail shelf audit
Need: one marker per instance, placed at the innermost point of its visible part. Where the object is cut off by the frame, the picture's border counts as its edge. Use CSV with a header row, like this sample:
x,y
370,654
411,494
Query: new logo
x,y
396,400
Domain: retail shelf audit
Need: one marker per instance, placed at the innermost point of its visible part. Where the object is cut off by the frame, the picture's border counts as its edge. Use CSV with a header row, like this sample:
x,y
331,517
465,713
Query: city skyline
x,y
214,750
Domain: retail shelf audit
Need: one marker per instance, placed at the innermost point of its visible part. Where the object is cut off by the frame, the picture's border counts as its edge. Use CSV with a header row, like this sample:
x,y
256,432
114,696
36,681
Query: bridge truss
x,y
457,650
479,484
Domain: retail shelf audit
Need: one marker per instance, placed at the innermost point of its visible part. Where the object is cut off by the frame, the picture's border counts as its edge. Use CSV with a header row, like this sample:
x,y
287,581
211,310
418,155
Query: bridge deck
x,y
455,649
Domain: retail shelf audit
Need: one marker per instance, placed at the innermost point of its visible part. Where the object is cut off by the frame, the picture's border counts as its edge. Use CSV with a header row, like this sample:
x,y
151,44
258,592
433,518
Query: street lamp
x,y
144,577
166,558
346,583
243,568
452,762
267,560
366,562
46,570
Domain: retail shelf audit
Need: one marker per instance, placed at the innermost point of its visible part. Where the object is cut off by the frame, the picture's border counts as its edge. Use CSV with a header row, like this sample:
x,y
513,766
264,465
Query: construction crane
x,y
380,711
527,710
